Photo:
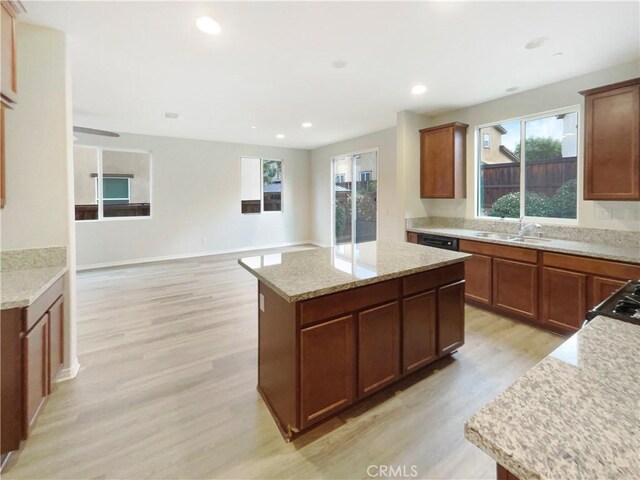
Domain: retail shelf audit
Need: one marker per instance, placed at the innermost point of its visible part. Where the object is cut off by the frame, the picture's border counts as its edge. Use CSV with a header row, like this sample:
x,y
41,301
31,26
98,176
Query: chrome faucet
x,y
525,229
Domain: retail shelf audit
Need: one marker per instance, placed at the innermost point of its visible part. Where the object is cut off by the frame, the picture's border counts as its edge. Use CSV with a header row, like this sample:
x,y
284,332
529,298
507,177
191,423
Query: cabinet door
x,y
477,273
564,296
612,144
515,287
412,237
419,316
600,288
450,317
36,371
8,86
327,368
436,163
56,342
378,347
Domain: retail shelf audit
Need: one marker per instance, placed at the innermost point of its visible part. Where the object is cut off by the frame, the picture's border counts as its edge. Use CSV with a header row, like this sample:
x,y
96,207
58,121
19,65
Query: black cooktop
x,y
623,304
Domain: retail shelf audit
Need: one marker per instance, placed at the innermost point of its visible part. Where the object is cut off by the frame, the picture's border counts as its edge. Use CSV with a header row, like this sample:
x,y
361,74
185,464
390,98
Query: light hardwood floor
x,y
167,390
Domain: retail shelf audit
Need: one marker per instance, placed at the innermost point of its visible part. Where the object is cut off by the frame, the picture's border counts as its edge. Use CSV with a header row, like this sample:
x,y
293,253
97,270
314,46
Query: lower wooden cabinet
x,y
327,368
515,287
36,371
378,347
450,317
412,237
600,288
477,274
31,358
564,298
419,316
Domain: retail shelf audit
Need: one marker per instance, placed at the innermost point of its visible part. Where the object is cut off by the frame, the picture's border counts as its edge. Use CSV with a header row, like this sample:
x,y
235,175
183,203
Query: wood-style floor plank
x,y
167,390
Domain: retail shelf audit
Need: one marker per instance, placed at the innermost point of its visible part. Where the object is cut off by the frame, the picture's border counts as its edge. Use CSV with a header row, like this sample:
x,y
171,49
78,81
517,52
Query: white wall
x,y
613,215
38,159
195,203
390,221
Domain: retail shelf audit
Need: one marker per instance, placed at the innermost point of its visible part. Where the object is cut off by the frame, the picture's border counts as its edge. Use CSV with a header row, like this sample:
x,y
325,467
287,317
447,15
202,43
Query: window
x,y
340,178
536,155
111,183
365,176
485,140
261,189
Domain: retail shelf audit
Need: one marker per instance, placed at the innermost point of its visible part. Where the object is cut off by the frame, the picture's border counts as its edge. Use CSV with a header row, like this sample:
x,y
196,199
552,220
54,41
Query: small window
x,y
115,190
485,140
261,189
340,178
365,176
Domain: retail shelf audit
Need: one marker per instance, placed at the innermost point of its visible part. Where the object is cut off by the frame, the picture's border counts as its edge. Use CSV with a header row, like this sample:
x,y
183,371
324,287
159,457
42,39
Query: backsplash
x,y
33,258
560,232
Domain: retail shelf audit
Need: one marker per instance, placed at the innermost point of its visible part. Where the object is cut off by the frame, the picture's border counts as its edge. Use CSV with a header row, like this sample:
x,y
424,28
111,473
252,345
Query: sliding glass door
x,y
355,197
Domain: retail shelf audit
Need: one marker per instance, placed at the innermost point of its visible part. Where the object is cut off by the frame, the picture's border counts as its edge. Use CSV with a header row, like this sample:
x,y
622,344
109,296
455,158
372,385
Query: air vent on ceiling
x,y
171,115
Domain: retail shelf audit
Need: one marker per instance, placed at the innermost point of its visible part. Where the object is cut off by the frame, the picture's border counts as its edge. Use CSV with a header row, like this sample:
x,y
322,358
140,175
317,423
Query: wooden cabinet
x,y
515,287
600,288
3,193
442,161
36,371
412,237
327,368
378,347
450,317
564,298
612,142
8,75
30,358
419,317
477,273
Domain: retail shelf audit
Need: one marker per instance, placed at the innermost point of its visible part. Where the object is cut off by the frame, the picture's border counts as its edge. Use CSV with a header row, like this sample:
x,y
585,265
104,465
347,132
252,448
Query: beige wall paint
x,y
38,212
85,162
613,215
389,222
130,163
196,194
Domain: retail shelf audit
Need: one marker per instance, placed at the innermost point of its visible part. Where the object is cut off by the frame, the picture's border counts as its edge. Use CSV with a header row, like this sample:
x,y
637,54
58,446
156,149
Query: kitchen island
x,y
572,416
338,324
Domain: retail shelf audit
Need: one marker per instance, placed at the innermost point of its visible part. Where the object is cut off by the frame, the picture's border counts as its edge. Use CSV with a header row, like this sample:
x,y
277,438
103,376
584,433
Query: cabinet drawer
x,y
504,251
37,309
334,304
423,281
606,268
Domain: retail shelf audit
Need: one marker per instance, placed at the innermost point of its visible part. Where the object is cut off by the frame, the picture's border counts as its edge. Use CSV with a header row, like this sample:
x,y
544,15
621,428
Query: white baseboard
x,y
69,373
135,261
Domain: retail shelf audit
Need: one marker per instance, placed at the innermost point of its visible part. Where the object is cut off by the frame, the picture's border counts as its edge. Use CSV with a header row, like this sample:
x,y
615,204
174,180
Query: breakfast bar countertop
x,y
319,271
575,414
629,253
20,288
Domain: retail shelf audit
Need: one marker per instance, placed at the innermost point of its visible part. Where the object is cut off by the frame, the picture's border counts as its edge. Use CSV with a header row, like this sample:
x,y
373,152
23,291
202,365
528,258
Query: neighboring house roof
x,y
500,129
505,151
342,189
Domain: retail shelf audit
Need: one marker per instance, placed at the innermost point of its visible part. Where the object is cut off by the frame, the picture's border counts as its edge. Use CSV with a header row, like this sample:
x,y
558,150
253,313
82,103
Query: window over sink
x,y
528,167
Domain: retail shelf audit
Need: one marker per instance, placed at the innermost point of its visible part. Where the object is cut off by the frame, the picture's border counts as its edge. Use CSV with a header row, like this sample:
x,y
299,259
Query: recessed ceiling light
x,y
171,115
511,89
208,25
253,127
418,89
536,43
307,124
280,136
339,64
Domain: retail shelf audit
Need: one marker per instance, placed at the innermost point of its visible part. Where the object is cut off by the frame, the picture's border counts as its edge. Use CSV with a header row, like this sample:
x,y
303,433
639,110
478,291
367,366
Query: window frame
x,y
522,120
282,178
101,217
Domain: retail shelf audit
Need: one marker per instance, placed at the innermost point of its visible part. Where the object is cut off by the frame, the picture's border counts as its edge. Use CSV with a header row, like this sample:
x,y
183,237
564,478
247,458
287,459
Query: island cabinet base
x,y
504,474
318,356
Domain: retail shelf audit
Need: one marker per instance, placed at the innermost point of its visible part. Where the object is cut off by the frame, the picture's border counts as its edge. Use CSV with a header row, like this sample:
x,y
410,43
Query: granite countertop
x,y
575,414
20,288
623,254
311,273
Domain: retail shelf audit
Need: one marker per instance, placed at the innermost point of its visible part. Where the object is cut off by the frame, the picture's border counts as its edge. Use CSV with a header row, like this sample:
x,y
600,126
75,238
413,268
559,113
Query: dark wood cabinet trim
x,y
612,86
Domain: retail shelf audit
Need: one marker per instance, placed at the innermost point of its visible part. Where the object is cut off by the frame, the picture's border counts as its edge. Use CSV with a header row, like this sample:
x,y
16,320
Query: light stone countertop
x,y
20,288
311,273
575,415
624,254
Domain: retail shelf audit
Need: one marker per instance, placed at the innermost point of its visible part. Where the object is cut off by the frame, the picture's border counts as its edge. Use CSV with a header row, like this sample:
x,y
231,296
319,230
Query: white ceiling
x,y
272,65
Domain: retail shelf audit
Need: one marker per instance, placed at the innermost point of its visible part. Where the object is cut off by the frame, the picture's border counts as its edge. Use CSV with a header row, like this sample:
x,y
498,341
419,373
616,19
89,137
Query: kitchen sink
x,y
528,239
496,236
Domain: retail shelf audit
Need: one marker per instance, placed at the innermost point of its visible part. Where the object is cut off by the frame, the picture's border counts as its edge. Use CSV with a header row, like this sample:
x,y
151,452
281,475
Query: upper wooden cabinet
x,y
8,77
443,160
612,142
